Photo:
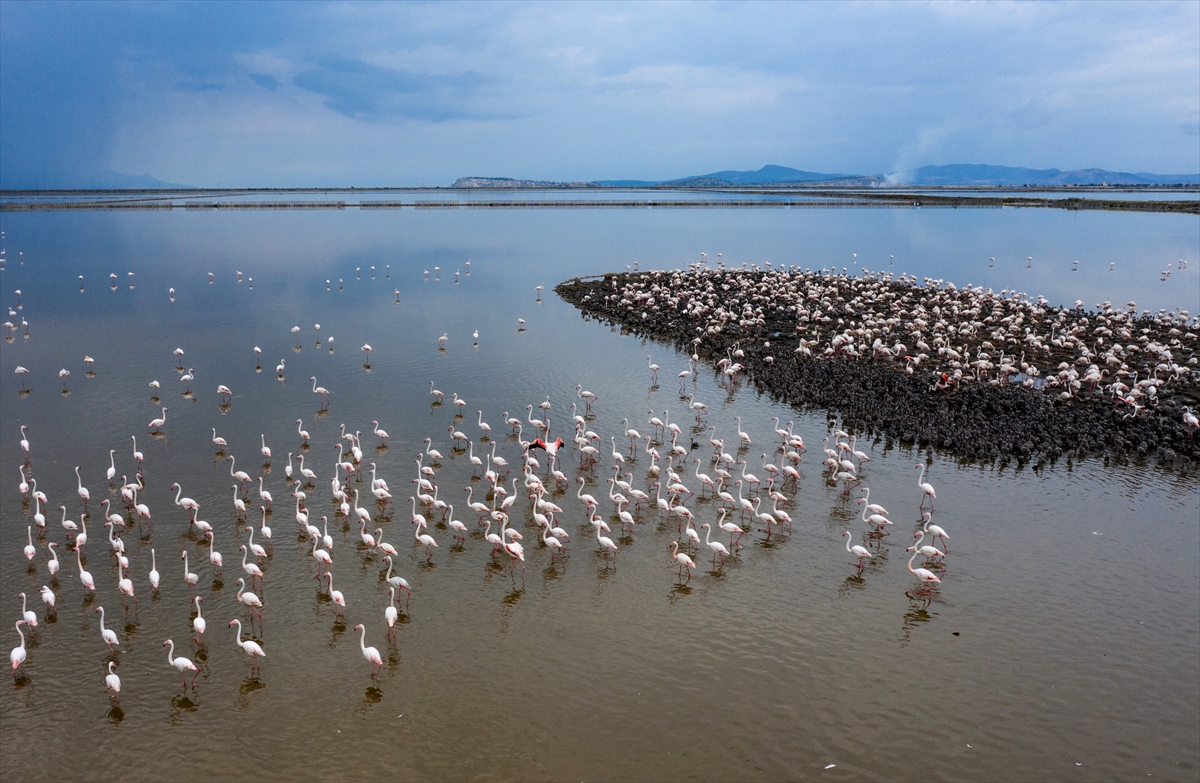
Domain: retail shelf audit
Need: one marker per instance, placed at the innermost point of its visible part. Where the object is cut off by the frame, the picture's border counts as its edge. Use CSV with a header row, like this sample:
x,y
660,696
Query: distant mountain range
x,y
83,180
1010,176
960,175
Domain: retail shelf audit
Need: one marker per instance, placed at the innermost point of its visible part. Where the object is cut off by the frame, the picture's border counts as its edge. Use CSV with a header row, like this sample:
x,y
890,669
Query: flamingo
x,y
188,576
308,473
303,436
113,682
860,456
198,623
263,530
23,487
263,494
742,436
605,542
930,552
926,576
24,439
30,549
154,577
683,560
494,538
142,509
156,423
389,613
513,549
716,546
872,507
114,519
744,503
53,564
339,600
48,598
137,455
586,396
16,656
84,576
321,556
424,539
30,617
926,489
858,551
479,508
730,528
554,544
780,515
705,479
250,600
181,664
240,476
68,524
214,556
124,583
82,490
220,442
460,530
934,531
251,570
370,653
112,465
320,391
250,647
878,521
501,462
107,634
398,582
382,434
436,393
749,478
653,369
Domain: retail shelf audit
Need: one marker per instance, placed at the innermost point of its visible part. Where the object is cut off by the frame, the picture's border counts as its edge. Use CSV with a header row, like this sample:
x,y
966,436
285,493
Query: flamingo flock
x,y
513,497
654,475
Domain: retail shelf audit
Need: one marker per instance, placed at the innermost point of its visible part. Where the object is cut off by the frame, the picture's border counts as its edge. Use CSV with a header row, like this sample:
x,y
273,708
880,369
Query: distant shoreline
x,y
764,189
930,197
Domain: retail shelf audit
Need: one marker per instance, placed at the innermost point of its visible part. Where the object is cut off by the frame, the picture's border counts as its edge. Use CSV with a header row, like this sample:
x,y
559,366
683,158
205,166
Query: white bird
x,y
198,623
112,681
857,551
250,647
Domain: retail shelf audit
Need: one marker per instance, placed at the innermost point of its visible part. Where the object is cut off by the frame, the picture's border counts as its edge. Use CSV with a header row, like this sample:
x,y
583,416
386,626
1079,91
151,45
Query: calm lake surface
x,y
1062,643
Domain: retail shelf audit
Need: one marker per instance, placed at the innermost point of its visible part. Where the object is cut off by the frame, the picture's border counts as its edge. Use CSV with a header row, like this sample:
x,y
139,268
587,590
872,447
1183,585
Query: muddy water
x,y
1062,640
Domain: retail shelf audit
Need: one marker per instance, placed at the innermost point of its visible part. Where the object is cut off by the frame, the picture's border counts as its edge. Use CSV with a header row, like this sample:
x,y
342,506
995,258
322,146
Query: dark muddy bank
x,y
928,401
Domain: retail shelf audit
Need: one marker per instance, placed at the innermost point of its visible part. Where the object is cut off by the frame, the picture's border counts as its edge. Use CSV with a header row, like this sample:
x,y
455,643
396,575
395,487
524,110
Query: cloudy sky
x,y
300,94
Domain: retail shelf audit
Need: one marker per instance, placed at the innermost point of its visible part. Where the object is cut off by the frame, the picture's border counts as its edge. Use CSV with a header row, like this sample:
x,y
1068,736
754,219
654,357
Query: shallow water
x,y
1066,631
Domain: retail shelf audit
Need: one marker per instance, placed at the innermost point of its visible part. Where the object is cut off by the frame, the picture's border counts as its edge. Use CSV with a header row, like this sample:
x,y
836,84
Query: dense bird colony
x,y
986,374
